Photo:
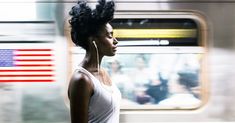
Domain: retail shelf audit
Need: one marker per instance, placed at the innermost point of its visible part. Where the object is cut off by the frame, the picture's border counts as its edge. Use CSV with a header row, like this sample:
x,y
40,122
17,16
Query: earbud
x,y
94,44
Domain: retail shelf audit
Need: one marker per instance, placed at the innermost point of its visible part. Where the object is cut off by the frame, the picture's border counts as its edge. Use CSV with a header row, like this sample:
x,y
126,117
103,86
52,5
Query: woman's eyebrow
x,y
109,32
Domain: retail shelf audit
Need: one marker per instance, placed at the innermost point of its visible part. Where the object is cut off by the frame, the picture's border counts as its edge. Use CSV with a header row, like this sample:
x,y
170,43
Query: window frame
x,y
202,48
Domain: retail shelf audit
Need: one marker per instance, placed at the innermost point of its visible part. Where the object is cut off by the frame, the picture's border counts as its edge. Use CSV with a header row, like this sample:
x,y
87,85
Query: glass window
x,y
160,80
148,70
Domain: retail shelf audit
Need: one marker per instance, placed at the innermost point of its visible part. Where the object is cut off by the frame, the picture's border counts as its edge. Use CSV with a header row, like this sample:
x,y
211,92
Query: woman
x,y
93,97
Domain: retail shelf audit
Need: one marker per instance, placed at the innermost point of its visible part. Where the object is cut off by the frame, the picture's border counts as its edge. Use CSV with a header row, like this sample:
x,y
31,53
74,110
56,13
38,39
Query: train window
x,y
169,80
159,62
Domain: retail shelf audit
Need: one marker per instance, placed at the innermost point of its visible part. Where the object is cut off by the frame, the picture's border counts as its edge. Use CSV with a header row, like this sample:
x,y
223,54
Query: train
x,y
174,58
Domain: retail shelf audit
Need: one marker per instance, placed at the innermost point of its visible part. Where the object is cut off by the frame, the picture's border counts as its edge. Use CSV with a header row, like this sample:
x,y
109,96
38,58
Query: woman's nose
x,y
115,41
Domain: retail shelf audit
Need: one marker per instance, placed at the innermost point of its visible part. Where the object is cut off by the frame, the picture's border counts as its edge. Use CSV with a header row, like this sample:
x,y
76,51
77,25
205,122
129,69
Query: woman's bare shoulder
x,y
80,81
80,78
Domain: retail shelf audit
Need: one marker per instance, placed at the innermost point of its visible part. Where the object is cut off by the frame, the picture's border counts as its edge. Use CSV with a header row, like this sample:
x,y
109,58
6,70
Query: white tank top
x,y
104,105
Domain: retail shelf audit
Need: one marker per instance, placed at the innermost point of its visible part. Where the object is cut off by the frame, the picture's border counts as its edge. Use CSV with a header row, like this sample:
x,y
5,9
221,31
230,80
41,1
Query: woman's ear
x,y
91,39
92,42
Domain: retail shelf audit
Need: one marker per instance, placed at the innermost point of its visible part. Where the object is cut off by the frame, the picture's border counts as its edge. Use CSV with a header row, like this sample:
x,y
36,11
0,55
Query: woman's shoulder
x,y
80,83
80,79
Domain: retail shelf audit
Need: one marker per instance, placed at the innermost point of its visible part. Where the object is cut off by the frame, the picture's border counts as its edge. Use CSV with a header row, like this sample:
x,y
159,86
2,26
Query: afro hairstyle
x,y
86,22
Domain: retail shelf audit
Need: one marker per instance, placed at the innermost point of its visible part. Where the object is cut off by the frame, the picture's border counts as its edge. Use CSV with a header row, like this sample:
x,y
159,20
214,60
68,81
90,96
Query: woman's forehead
x,y
109,28
106,29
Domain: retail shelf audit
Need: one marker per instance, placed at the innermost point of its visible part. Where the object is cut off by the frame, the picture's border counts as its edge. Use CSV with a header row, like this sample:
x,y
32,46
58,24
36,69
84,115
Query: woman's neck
x,y
90,62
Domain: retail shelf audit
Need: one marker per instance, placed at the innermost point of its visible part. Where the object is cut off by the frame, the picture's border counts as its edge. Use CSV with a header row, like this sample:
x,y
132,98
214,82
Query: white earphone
x,y
98,67
97,55
94,44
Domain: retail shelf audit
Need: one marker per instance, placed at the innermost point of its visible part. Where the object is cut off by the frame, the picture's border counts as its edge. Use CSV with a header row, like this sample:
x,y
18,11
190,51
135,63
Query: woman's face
x,y
107,44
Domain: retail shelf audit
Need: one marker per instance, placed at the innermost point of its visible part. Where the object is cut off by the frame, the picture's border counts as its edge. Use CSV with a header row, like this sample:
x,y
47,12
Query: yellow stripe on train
x,y
155,33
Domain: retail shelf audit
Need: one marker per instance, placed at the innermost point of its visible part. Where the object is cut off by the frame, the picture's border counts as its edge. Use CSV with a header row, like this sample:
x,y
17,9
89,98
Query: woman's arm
x,y
80,91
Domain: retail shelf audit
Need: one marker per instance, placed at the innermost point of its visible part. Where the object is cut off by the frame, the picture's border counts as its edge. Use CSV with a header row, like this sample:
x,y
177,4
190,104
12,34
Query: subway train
x,y
174,61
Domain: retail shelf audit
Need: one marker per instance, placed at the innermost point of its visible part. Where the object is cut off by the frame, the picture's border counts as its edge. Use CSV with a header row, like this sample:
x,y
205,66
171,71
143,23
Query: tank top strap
x,y
92,77
98,86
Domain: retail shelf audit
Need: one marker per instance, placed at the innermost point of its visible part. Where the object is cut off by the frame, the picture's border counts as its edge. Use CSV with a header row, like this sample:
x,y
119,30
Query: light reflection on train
x,y
176,66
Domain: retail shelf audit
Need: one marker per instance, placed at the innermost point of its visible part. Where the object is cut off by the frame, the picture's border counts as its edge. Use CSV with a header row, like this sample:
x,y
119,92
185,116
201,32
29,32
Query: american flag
x,y
26,65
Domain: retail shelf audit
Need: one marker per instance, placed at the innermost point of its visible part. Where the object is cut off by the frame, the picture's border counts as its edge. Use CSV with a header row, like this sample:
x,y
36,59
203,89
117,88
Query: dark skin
x,y
81,88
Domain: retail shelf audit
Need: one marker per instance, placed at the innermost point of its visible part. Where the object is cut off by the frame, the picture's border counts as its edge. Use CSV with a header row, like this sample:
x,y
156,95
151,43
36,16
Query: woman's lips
x,y
114,48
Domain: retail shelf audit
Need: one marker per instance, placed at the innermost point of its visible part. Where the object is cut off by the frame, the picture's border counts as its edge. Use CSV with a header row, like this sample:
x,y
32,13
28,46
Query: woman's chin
x,y
112,54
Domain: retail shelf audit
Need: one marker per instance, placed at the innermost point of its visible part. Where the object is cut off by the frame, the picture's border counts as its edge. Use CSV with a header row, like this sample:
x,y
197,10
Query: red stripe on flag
x,y
25,75
33,55
37,80
30,60
33,65
33,50
46,70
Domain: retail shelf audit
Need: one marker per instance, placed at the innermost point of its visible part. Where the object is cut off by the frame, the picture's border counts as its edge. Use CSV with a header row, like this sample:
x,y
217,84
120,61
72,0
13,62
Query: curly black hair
x,y
86,22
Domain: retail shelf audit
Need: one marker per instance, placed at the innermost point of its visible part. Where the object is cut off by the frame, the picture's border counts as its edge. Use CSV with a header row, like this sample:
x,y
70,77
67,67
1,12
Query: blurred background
x,y
180,68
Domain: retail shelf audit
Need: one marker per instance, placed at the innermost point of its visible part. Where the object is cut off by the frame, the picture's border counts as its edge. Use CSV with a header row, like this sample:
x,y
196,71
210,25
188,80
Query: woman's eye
x,y
110,35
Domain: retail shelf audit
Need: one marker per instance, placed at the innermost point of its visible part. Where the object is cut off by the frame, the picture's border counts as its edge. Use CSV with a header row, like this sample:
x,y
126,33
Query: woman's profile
x,y
93,97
